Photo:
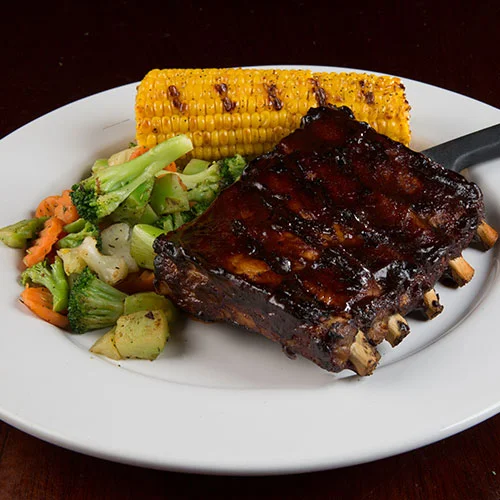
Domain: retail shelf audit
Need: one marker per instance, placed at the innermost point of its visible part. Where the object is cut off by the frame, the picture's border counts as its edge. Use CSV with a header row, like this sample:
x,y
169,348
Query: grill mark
x,y
276,220
366,257
174,93
371,224
372,249
368,94
279,218
227,103
221,88
319,93
305,228
408,194
369,97
283,219
336,259
181,106
273,98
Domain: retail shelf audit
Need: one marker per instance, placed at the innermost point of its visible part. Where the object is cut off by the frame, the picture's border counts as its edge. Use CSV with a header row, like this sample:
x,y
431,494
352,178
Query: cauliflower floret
x,y
109,268
72,260
116,241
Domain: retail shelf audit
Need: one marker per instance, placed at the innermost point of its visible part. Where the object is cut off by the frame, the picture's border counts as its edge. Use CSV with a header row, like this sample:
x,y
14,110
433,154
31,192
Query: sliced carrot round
x,y
47,207
52,229
65,210
39,301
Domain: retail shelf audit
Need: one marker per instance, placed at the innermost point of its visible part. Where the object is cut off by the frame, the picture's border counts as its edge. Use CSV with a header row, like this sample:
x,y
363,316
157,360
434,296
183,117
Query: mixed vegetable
x,y
88,252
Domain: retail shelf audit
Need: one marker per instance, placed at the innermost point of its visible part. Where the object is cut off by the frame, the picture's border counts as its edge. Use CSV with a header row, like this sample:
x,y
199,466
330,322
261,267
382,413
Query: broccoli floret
x,y
195,165
133,208
17,235
149,216
231,169
77,232
93,304
173,221
205,184
197,209
102,193
169,195
52,277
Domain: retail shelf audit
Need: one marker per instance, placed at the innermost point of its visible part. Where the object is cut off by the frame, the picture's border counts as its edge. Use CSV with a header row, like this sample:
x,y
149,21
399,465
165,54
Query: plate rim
x,y
60,439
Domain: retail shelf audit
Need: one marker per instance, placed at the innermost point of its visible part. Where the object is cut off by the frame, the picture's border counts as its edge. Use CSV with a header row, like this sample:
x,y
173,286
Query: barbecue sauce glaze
x,y
334,230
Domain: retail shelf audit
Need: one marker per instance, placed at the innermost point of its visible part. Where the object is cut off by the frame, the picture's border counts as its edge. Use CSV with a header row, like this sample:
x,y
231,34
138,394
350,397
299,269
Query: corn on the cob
x,y
248,111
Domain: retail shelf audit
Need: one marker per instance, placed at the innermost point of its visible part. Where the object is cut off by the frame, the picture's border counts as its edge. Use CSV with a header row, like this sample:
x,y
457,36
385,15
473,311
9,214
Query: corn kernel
x,y
247,135
238,134
206,138
183,124
231,137
197,138
236,120
255,120
218,121
227,121
209,123
166,124
223,138
174,124
245,120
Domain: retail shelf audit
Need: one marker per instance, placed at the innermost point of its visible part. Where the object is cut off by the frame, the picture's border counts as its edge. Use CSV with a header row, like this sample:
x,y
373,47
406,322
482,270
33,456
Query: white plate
x,y
221,400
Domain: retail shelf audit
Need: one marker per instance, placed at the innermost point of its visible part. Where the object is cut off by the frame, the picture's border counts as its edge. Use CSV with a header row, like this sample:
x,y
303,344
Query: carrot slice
x,y
52,229
142,281
171,167
65,210
39,301
140,150
47,207
60,206
146,280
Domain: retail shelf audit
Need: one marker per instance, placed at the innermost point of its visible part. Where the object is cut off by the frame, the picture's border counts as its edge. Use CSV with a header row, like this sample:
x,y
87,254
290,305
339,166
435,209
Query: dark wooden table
x,y
53,53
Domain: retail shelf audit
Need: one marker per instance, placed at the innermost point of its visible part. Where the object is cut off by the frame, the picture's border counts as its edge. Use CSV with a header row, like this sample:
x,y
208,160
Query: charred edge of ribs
x,y
338,230
216,296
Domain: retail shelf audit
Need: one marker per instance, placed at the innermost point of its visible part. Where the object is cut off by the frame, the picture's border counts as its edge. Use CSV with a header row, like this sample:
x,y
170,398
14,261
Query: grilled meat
x,y
325,243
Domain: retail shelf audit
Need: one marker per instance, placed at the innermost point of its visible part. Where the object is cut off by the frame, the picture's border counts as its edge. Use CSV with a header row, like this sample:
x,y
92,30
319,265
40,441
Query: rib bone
x,y
364,357
461,271
487,234
432,305
398,329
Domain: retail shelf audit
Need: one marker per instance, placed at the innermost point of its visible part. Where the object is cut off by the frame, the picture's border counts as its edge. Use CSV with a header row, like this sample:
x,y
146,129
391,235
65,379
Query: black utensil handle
x,y
467,150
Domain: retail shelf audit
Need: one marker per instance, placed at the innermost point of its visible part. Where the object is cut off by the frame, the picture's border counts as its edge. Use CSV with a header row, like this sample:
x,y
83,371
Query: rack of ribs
x,y
326,243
